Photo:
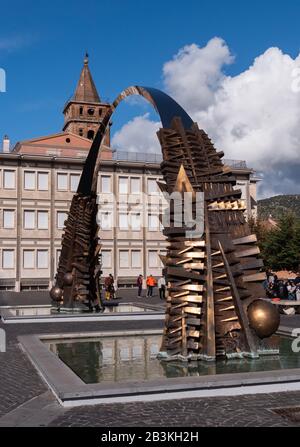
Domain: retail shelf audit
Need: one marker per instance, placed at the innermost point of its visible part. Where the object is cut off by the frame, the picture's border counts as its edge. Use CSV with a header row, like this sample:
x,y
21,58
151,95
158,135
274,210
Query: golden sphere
x,y
263,317
68,279
56,293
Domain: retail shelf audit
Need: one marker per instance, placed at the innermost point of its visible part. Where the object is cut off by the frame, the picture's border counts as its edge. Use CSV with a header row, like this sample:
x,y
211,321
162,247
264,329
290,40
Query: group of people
x,y
151,282
283,289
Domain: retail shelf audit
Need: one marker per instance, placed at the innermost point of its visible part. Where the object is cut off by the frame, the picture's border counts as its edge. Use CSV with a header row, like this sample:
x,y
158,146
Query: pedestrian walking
x,y
112,289
151,283
109,287
162,288
107,283
139,283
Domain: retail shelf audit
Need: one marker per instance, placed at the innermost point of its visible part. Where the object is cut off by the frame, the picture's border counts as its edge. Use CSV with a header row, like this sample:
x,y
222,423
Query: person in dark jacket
x,y
139,283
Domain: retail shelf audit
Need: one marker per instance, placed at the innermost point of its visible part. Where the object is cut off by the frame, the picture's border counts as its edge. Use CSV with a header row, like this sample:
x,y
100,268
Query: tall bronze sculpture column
x,y
214,278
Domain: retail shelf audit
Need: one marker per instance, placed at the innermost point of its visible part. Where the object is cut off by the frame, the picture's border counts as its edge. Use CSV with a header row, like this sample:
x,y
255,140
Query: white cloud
x,y
138,135
254,115
194,74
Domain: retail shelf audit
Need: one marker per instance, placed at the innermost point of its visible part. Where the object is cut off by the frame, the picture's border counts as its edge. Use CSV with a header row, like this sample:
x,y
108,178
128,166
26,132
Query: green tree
x,y
257,226
280,247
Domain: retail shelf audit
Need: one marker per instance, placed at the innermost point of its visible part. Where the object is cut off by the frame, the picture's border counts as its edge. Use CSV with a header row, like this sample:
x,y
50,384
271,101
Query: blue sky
x,y
42,45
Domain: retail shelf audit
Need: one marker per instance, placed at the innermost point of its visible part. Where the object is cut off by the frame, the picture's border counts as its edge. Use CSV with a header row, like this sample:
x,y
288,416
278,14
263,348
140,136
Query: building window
x,y
105,183
136,222
136,258
80,132
123,221
153,259
43,181
90,134
62,182
123,185
80,113
74,181
106,259
123,259
106,221
163,253
153,222
42,218
9,179
42,259
28,259
61,217
100,112
8,219
8,259
152,186
29,180
135,185
91,112
29,220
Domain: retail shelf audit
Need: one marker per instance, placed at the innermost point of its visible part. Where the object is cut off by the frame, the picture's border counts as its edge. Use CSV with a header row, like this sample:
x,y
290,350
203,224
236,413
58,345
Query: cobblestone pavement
x,y
238,411
20,382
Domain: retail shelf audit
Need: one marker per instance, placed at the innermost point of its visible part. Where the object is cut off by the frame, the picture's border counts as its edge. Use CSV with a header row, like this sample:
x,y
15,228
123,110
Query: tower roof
x,y
86,90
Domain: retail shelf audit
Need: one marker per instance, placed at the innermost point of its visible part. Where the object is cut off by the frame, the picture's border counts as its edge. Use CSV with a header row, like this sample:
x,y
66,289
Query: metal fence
x,y
157,158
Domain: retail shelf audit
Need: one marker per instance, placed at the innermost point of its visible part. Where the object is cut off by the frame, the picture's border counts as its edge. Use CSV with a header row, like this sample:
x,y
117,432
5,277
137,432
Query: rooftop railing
x,y
137,156
157,158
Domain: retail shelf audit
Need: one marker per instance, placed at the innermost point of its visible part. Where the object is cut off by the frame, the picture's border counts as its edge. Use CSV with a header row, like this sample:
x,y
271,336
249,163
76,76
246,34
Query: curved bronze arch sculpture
x,y
213,278
166,107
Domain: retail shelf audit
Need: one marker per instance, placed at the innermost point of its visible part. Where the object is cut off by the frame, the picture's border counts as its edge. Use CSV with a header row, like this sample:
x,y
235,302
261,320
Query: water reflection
x,y
30,311
134,358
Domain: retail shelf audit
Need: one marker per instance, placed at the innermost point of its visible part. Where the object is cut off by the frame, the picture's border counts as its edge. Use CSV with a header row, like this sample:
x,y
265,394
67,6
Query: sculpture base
x,y
74,307
164,356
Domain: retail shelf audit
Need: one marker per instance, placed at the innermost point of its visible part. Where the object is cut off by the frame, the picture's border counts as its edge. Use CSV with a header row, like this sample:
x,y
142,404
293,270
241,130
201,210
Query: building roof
x,y
63,144
86,90
269,224
59,137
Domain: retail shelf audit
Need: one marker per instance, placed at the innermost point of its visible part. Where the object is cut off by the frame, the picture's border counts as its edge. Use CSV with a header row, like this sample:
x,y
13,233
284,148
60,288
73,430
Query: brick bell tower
x,y
85,110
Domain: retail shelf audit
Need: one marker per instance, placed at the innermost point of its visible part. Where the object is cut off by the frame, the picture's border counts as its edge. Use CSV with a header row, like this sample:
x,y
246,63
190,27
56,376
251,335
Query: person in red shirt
x,y
151,283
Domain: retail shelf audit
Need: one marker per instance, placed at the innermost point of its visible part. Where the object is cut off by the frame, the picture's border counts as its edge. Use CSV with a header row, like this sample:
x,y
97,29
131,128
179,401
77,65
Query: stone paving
x,y
21,388
19,380
238,411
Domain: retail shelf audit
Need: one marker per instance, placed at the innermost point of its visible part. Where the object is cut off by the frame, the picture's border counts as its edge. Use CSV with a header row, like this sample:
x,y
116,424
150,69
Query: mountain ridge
x,y
279,205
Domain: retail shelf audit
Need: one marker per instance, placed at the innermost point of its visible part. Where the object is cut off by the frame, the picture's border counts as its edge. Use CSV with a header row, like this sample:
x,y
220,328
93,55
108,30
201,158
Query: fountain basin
x,y
122,366
48,314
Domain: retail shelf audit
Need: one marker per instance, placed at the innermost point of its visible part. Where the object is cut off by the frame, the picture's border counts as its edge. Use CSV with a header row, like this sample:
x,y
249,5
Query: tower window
x,y
80,110
90,134
100,112
80,132
91,112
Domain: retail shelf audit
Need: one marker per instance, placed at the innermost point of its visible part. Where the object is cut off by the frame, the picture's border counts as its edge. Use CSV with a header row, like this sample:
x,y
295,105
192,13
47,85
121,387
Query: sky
x,y
234,66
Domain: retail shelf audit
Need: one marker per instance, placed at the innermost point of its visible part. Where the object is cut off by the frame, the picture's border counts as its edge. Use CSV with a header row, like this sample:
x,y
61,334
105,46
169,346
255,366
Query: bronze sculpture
x,y
212,277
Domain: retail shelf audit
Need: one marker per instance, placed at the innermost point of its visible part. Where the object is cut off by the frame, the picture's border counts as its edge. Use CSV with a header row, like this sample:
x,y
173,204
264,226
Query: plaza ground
x,y
25,399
